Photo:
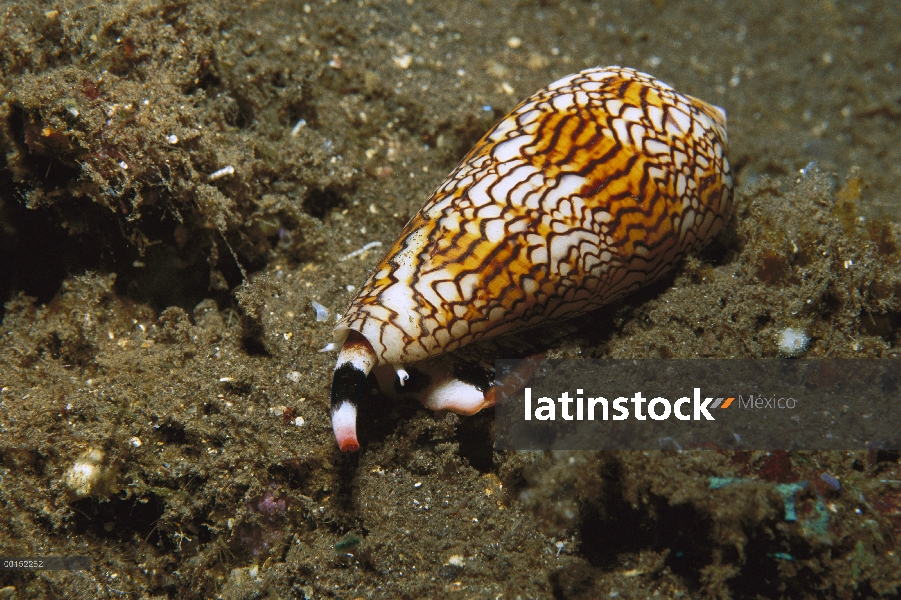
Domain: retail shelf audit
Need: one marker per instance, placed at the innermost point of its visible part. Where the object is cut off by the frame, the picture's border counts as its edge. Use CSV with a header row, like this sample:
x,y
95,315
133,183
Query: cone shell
x,y
592,187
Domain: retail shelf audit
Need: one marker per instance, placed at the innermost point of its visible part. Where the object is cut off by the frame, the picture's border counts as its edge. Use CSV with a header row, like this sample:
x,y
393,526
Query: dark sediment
x,y
132,341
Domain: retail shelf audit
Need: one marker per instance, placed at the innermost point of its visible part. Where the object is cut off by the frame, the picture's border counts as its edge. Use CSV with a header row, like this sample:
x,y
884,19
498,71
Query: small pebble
x,y
793,341
831,481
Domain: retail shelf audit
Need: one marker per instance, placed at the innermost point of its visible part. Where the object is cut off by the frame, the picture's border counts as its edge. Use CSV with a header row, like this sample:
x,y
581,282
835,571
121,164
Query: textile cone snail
x,y
592,187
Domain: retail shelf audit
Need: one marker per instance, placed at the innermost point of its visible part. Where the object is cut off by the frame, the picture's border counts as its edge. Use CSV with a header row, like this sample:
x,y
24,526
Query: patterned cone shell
x,y
592,187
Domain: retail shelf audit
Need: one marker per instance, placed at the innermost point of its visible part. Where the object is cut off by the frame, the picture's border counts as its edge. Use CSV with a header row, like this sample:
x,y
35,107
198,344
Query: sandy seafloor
x,y
132,344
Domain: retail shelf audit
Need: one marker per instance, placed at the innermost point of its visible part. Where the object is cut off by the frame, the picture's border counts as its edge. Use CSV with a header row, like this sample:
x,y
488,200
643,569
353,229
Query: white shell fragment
x,y
321,311
86,473
360,251
228,170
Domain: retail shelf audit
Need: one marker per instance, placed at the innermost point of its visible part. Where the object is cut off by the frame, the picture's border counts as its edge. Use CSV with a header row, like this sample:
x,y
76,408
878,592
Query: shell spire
x,y
592,187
